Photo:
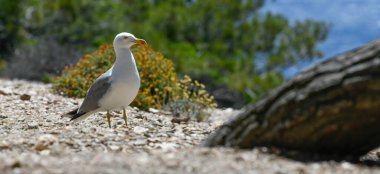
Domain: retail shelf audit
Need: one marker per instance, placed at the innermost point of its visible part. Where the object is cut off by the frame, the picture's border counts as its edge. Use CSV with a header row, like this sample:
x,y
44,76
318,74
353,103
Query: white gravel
x,y
34,139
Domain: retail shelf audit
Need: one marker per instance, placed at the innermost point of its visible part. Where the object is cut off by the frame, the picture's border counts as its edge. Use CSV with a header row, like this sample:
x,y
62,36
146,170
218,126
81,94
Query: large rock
x,y
333,107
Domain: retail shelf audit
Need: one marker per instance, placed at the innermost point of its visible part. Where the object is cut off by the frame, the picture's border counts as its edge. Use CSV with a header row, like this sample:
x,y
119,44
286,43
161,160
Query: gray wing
x,y
95,93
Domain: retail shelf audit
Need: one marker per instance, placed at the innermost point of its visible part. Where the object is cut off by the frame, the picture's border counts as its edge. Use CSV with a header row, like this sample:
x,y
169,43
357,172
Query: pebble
x,y
346,165
45,152
168,146
140,142
152,110
180,120
114,147
139,116
4,145
172,163
25,97
44,141
33,125
139,130
5,91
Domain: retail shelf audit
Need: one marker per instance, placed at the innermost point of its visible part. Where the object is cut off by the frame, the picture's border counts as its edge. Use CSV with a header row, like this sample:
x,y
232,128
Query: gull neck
x,y
125,63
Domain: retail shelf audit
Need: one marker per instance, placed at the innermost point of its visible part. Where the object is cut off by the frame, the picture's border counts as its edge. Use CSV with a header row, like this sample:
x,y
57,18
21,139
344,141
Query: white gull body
x,y
125,81
117,87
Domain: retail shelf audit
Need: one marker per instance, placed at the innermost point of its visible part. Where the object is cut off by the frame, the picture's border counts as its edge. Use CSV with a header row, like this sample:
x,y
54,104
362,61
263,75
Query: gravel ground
x,y
34,139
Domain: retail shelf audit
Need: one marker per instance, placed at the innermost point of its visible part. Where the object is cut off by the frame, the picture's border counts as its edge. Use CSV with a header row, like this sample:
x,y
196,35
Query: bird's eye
x,y
125,37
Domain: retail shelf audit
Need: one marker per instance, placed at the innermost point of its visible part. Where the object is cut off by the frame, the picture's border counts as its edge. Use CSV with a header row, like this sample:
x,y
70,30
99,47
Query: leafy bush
x,y
190,100
159,83
3,64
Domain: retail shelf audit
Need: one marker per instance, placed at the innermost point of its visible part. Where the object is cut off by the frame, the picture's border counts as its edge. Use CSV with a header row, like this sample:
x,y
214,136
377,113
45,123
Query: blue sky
x,y
353,23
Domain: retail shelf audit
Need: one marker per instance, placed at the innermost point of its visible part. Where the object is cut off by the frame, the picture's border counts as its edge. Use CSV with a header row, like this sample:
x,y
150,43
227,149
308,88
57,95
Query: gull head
x,y
126,40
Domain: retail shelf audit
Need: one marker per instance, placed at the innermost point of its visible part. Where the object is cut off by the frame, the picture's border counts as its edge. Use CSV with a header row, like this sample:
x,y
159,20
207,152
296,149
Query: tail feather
x,y
73,114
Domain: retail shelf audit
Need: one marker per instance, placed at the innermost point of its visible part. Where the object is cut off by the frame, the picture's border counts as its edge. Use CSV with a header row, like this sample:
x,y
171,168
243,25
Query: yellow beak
x,y
140,41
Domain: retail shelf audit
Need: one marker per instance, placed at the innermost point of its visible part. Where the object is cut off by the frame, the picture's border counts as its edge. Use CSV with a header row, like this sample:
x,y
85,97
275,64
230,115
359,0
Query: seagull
x,y
117,87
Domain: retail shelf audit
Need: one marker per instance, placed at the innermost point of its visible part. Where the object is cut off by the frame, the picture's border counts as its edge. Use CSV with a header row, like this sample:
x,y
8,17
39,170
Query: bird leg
x,y
109,118
125,117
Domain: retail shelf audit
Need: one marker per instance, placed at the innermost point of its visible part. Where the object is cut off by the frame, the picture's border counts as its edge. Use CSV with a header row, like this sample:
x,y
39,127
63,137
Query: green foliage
x,y
224,39
190,99
3,64
75,80
10,27
217,39
159,84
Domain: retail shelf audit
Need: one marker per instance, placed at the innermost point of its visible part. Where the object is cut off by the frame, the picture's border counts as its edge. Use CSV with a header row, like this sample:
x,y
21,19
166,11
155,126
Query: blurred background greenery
x,y
229,45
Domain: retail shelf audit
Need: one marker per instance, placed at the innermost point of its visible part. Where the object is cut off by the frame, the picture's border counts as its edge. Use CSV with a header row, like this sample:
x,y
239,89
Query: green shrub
x,y
190,100
159,83
3,65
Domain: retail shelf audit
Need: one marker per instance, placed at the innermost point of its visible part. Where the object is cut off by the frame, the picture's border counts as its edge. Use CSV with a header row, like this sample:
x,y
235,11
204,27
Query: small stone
x,y
86,130
153,140
25,97
228,110
120,122
142,159
33,125
139,130
168,146
54,132
45,152
114,148
3,116
147,135
5,91
180,119
346,165
140,142
162,134
44,141
152,110
4,145
172,163
315,166
15,164
139,116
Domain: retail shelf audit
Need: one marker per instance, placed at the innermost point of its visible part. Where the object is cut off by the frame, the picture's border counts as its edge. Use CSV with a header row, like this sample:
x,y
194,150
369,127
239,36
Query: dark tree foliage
x,y
217,41
10,12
